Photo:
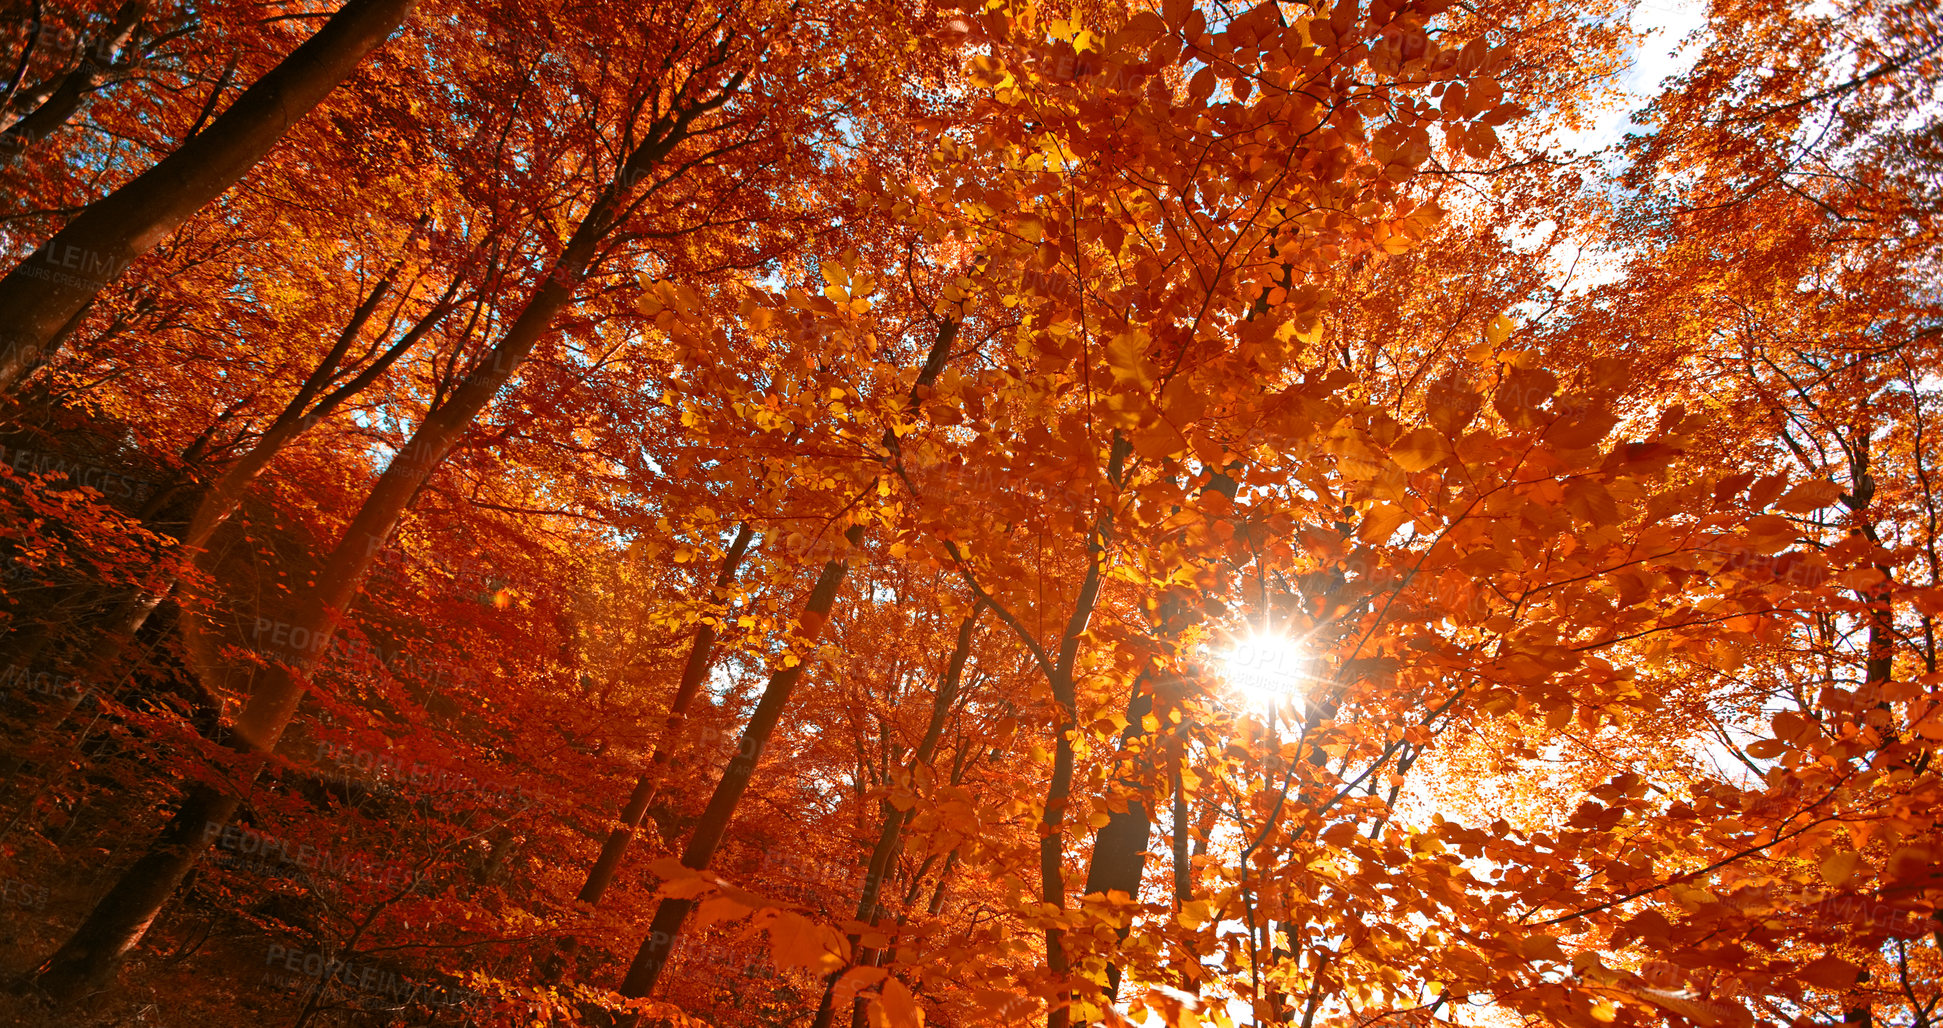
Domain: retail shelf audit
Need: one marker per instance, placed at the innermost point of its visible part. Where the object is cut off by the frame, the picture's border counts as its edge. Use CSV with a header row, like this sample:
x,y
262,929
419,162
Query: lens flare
x,y
1265,668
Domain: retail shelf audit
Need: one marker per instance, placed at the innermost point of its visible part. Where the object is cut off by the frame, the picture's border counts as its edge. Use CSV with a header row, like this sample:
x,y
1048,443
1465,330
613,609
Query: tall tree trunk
x,y
652,955
1120,847
225,495
1119,858
713,826
71,92
117,923
1183,868
890,837
638,801
1059,788
48,292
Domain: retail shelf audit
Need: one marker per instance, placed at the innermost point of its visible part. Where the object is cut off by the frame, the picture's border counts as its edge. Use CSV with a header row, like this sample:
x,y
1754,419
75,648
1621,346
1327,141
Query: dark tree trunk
x,y
68,96
713,826
889,838
652,956
638,801
47,293
117,923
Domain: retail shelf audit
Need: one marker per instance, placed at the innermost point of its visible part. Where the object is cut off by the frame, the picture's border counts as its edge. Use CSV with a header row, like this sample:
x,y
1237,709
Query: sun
x,y
1266,669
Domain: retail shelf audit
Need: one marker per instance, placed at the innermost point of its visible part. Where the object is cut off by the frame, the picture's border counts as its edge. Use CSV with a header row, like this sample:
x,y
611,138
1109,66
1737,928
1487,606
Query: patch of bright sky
x,y
1670,43
1669,48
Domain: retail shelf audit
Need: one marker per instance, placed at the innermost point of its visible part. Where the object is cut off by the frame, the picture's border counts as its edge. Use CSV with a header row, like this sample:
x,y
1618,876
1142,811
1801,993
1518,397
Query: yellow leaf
x,y
1126,357
1193,914
798,941
1839,867
1381,522
1499,330
1420,449
988,72
895,1007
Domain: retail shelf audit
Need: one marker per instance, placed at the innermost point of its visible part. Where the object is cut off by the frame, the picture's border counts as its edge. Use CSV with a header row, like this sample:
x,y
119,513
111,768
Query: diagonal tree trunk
x,y
601,875
67,96
118,922
890,837
222,497
46,295
670,914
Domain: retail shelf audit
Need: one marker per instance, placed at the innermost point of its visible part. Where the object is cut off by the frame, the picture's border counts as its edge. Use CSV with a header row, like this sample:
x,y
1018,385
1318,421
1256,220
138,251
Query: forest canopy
x,y
1337,514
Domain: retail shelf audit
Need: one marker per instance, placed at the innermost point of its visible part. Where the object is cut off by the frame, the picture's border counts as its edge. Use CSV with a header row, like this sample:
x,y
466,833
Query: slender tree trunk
x,y
71,93
713,826
638,801
1120,847
1059,788
225,495
652,956
890,837
50,290
1183,868
117,924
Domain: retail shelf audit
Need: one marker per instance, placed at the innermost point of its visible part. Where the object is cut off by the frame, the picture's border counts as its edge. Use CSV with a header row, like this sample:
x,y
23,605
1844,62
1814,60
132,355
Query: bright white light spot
x,y
1265,668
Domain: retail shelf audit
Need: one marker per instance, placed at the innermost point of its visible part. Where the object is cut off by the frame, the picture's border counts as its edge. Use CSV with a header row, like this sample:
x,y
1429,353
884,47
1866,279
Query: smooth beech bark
x,y
1119,859
1058,669
46,294
601,875
1059,787
1120,847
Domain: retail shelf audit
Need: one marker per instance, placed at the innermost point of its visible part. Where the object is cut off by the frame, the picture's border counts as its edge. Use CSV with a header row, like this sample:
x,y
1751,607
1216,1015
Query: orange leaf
x,y
1830,972
895,1007
798,941
1419,450
1381,522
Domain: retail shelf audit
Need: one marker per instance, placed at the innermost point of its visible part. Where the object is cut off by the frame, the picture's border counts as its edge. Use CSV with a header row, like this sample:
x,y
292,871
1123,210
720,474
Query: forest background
x,y
1367,513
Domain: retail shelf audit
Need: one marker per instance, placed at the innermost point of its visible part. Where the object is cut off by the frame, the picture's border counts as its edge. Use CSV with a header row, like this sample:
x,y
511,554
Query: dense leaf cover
x,y
740,513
